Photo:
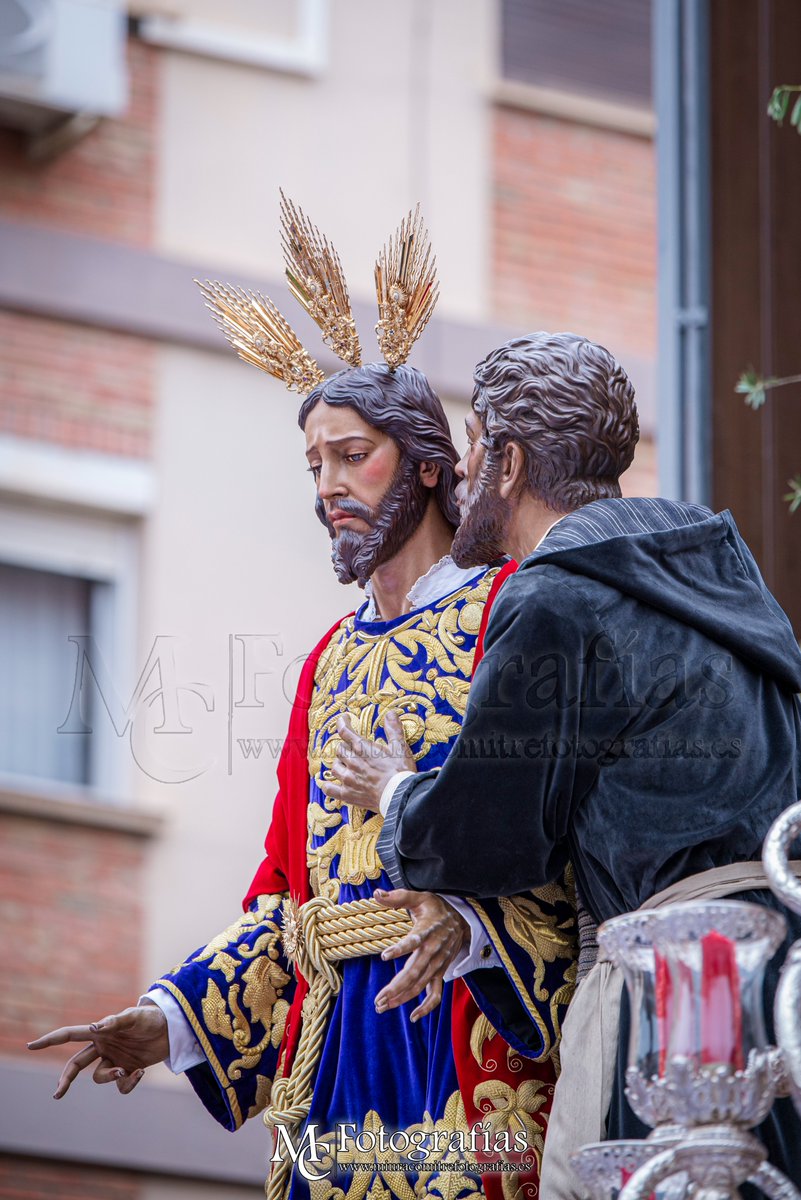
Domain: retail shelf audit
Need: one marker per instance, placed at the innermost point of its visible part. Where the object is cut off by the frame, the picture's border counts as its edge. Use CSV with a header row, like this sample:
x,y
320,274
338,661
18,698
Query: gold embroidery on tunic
x,y
543,940
447,1184
264,982
215,1012
510,1110
539,935
264,1087
483,1031
202,1036
409,670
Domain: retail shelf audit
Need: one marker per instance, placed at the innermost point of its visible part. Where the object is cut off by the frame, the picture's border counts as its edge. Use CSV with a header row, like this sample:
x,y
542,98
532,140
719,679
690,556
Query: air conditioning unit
x,y
59,58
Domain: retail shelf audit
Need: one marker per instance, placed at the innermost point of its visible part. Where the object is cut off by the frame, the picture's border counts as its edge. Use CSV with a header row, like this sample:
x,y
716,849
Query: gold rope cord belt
x,y
317,935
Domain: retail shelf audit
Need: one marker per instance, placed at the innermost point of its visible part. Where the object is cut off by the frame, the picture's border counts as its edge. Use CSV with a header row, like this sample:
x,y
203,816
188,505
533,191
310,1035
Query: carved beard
x,y
481,534
401,509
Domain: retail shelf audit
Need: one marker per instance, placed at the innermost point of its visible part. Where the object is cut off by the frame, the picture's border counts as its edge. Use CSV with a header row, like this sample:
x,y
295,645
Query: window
x,y
64,572
600,48
39,610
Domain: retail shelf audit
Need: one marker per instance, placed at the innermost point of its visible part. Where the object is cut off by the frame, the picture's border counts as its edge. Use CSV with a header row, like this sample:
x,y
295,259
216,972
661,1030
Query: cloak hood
x,y
683,560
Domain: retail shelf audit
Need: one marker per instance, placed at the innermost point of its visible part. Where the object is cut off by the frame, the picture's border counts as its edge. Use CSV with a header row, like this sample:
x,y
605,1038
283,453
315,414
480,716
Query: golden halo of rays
x,y
317,281
260,335
406,288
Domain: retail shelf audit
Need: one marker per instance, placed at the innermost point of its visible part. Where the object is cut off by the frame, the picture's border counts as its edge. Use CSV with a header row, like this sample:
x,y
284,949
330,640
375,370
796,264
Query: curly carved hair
x,y
570,406
402,404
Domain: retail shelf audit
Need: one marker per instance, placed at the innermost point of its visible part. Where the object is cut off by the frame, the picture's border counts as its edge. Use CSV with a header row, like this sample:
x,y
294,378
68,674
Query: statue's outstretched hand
x,y
124,1043
438,935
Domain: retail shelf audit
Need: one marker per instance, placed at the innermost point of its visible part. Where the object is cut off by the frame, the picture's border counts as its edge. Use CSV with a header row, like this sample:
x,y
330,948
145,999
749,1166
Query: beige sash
x,y
588,1049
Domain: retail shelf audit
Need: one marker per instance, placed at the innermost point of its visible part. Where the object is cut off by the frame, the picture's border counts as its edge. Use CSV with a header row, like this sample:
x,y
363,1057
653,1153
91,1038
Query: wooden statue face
x,y
469,466
484,514
349,461
371,498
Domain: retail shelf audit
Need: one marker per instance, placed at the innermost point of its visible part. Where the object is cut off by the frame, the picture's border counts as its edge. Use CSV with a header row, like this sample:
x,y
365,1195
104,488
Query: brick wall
x,y
102,186
641,479
575,230
70,905
27,1179
574,244
71,895
80,387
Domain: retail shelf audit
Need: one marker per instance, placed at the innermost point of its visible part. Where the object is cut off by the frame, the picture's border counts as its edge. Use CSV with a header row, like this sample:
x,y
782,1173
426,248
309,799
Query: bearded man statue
x,y
305,1005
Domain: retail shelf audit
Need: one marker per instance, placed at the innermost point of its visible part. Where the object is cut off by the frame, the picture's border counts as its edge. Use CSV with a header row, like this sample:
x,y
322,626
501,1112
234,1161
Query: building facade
x,y
162,572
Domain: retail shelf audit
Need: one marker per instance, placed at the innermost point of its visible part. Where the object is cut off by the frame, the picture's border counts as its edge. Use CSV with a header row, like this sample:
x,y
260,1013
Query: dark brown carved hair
x,y
570,406
402,404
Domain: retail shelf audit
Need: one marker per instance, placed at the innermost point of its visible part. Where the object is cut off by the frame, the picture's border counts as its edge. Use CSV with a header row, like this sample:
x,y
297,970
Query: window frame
x,y
40,530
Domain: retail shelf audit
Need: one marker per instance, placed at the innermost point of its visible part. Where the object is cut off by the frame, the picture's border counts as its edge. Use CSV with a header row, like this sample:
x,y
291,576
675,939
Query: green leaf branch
x,y
779,103
750,384
793,497
755,388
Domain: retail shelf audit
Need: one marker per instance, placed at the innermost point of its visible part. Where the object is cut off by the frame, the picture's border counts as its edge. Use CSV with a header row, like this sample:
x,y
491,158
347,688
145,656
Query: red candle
x,y
684,1030
664,1007
625,1176
675,1010
721,1010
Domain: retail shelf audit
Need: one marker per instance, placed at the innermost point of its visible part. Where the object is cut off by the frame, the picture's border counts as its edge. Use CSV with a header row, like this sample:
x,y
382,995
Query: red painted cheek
x,y
374,472
378,471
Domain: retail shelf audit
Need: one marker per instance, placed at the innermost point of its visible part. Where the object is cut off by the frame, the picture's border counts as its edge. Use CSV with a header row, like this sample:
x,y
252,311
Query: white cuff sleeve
x,y
185,1049
390,789
480,952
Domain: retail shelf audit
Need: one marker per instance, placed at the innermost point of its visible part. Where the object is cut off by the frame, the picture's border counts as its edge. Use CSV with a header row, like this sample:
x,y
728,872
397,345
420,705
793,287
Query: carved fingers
x,y
437,937
124,1043
364,767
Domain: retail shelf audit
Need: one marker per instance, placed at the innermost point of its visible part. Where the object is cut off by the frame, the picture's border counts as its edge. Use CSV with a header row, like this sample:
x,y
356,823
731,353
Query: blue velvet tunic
x,y
373,1070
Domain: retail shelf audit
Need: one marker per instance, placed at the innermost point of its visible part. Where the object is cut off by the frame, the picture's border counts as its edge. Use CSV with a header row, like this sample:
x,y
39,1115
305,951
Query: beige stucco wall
x,y
397,114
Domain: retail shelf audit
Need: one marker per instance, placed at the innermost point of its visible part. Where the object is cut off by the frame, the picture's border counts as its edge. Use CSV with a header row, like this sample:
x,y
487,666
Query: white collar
x,y
439,580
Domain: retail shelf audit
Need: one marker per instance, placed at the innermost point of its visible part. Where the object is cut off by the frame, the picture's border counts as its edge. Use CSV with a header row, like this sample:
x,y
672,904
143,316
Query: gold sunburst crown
x,y
406,287
258,332
317,281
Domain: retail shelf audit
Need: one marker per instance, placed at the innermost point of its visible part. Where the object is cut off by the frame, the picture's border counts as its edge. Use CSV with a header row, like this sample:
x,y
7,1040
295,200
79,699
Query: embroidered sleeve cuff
x,y
389,790
479,952
185,1049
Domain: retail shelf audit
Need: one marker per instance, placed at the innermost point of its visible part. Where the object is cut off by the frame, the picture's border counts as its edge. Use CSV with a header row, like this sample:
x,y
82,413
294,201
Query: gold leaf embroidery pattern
x,y
273,1017
539,934
513,1110
545,938
225,963
264,982
411,670
215,1012
384,1181
215,950
449,1183
264,1087
483,1031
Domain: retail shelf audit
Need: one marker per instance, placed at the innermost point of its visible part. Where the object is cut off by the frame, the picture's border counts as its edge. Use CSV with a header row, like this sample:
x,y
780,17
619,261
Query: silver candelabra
x,y
701,1072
